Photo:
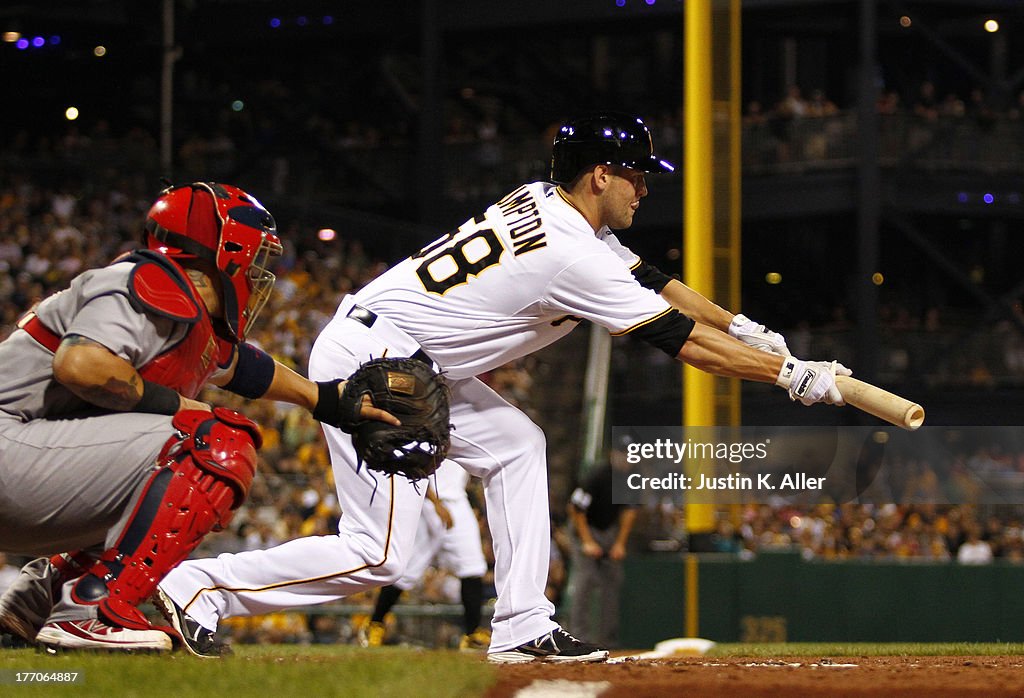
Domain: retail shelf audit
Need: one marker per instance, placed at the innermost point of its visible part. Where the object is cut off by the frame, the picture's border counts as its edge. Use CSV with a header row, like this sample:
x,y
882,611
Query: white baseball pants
x,y
491,439
457,549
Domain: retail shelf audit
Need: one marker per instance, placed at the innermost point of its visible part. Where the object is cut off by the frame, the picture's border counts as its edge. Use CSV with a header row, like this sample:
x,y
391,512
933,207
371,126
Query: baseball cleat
x,y
477,641
371,634
94,634
555,646
197,640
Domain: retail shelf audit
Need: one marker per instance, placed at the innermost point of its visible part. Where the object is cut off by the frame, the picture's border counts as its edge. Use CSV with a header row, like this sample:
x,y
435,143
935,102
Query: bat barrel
x,y
881,403
914,417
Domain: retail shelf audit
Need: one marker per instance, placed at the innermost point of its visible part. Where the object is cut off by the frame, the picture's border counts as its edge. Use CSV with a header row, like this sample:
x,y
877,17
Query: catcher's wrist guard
x,y
157,399
254,372
335,409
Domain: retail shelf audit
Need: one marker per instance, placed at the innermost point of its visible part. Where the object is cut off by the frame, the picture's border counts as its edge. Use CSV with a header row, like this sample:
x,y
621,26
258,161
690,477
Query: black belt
x,y
368,317
361,314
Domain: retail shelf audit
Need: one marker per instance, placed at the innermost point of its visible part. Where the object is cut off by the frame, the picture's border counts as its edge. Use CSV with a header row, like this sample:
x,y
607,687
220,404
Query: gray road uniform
x,y
126,495
68,471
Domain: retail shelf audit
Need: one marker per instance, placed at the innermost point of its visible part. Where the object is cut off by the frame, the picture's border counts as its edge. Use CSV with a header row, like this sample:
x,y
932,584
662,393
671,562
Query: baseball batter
x,y
449,537
513,279
106,458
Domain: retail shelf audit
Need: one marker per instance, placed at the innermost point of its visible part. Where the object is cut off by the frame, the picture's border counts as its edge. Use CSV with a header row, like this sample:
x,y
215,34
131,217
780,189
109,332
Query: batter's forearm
x,y
696,306
716,352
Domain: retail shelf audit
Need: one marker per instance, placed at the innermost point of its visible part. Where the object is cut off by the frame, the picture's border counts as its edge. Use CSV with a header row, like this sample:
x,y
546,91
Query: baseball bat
x,y
881,403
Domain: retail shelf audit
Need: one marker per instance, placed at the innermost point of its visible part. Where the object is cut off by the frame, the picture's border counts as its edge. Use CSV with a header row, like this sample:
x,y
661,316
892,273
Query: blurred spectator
x,y
793,104
726,539
979,109
974,550
925,106
558,569
951,107
790,109
819,105
889,102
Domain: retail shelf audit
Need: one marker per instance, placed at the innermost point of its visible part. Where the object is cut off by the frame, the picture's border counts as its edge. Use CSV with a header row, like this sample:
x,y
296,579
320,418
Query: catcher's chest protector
x,y
161,287
188,366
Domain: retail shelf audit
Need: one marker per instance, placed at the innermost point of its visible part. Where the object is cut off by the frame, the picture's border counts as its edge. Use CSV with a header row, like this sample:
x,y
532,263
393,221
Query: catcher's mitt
x,y
419,397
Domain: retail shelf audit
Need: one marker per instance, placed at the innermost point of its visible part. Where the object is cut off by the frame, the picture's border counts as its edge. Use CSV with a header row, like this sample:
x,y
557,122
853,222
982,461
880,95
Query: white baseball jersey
x,y
510,282
504,284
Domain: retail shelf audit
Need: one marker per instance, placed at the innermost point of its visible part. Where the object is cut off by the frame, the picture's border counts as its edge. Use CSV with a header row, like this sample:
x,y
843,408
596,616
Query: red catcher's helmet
x,y
230,229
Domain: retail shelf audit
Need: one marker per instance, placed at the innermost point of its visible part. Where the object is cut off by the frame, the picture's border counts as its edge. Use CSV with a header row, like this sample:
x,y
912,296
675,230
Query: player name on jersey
x,y
522,216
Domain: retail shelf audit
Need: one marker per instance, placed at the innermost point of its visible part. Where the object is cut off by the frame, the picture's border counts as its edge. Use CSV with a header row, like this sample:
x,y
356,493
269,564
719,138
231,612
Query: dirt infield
x,y
782,676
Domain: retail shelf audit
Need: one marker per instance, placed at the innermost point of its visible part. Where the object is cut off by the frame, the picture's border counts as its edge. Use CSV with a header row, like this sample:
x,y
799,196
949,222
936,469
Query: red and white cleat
x,y
94,634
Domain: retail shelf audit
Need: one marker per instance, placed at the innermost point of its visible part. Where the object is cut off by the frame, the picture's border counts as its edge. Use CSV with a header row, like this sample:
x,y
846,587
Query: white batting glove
x,y
758,336
812,381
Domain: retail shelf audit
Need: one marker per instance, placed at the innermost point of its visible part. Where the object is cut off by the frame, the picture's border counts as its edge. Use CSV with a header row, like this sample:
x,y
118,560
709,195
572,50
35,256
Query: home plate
x,y
676,647
561,688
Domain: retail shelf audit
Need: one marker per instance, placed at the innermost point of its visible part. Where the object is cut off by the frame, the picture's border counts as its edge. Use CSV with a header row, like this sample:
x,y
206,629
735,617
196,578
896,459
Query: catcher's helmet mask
x,y
605,138
230,230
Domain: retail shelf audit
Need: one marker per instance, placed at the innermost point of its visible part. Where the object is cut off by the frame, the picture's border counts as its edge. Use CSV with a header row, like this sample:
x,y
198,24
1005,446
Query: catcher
x,y
109,463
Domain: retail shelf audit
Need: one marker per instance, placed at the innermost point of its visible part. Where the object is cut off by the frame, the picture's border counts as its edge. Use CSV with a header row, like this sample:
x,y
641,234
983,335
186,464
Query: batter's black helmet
x,y
606,138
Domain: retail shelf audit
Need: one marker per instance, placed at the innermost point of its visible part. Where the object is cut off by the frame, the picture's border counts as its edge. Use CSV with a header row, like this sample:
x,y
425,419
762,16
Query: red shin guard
x,y
204,474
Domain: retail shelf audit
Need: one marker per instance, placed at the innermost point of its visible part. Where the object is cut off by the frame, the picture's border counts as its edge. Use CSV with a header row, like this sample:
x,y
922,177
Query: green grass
x,y
867,649
287,671
278,671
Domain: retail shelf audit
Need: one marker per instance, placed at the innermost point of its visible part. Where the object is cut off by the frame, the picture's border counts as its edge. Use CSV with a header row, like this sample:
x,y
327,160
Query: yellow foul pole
x,y
711,205
698,197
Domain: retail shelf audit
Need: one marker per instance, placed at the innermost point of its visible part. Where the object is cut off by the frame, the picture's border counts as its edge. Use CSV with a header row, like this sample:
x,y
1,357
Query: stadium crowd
x,y
301,141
